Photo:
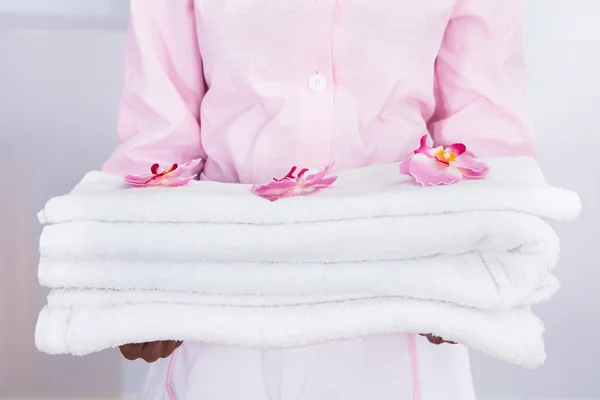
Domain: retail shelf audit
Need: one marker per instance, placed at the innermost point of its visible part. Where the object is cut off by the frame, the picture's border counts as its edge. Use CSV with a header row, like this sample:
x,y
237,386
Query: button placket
x,y
318,83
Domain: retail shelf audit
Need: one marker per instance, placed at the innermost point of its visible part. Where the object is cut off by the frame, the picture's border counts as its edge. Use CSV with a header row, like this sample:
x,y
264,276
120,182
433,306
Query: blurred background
x,y
60,71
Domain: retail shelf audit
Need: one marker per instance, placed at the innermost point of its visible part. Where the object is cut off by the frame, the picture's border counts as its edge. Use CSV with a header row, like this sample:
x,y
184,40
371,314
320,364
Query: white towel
x,y
487,241
466,279
487,260
513,184
514,336
77,298
374,239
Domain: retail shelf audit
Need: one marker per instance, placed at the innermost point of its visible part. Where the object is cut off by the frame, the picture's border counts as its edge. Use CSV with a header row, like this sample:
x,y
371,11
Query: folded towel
x,y
467,279
76,298
513,184
487,260
373,254
375,239
87,297
514,336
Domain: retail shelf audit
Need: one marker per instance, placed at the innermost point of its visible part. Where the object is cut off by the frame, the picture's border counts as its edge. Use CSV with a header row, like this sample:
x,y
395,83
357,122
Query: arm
x,y
480,81
480,84
163,87
160,104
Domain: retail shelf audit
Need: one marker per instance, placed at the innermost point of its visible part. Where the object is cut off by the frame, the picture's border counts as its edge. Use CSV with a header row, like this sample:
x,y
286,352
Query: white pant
x,y
374,368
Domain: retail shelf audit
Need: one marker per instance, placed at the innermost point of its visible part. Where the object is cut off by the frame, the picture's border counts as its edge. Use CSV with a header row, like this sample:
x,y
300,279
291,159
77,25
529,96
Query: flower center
x,y
445,156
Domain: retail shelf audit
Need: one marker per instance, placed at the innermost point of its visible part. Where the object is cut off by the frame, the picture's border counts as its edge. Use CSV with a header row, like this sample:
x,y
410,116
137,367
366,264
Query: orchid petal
x,y
471,174
302,173
457,148
319,174
323,183
290,185
290,175
430,172
468,174
138,179
171,169
170,177
175,182
315,177
274,188
404,166
467,162
278,185
424,149
441,166
326,181
471,168
273,193
187,167
141,180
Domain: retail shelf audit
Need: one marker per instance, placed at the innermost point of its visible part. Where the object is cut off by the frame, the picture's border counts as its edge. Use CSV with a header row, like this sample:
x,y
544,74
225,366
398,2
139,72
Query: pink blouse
x,y
256,86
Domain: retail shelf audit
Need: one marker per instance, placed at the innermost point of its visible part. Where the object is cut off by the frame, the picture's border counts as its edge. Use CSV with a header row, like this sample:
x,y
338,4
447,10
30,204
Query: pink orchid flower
x,y
170,177
430,166
306,182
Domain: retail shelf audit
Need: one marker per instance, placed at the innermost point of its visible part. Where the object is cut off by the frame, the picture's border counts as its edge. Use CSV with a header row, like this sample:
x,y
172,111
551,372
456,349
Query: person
x,y
253,87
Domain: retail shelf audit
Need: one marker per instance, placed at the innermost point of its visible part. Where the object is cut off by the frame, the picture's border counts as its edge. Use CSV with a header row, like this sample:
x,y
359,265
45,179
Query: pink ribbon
x,y
414,365
169,385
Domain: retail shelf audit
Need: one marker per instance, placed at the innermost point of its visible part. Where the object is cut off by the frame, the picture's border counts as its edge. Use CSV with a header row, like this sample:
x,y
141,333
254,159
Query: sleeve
x,y
480,81
163,86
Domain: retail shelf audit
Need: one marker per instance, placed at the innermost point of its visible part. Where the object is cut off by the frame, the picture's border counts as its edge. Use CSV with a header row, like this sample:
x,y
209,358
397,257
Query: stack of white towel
x,y
371,254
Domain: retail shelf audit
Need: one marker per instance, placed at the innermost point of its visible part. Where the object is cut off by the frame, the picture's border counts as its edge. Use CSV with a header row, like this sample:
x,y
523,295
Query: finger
x,y
439,340
162,349
151,352
170,347
149,358
435,339
149,355
428,335
131,351
132,347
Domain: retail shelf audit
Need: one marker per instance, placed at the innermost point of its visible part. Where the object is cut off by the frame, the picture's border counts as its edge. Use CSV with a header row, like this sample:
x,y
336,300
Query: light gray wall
x,y
58,93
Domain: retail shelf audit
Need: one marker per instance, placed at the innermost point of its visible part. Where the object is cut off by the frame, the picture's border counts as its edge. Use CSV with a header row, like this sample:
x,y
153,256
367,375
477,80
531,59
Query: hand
x,y
435,339
149,352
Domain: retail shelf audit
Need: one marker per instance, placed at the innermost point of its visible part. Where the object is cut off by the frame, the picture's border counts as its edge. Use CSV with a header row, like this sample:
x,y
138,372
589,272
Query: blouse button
x,y
317,82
